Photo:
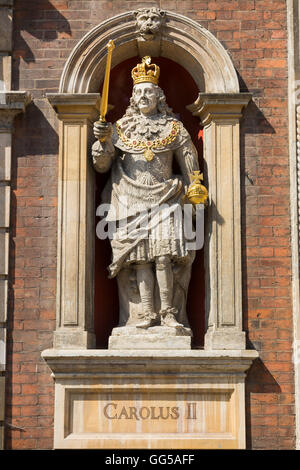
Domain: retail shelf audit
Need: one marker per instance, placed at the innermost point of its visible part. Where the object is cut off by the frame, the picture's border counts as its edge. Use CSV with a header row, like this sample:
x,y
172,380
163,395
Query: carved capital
x,y
11,104
219,106
75,106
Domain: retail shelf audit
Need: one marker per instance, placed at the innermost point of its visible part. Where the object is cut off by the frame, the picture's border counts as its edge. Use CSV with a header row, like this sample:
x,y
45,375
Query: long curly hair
x,y
162,106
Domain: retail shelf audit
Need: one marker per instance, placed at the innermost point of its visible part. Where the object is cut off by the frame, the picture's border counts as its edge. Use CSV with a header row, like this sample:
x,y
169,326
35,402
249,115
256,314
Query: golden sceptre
x,y
104,98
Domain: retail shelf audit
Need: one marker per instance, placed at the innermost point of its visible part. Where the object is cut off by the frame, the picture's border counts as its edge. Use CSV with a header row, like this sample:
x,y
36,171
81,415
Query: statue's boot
x,y
149,319
164,274
168,317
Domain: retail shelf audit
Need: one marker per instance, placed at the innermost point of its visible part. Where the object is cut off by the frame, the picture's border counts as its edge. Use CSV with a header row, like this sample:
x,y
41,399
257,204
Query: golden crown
x,y
145,72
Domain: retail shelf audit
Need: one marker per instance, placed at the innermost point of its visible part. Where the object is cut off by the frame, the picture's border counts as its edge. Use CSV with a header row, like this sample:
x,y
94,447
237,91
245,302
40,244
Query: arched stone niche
x,y
181,39
219,106
85,378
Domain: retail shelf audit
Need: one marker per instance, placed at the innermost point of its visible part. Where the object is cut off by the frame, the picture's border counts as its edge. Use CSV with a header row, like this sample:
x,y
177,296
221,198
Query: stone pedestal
x,y
149,399
156,337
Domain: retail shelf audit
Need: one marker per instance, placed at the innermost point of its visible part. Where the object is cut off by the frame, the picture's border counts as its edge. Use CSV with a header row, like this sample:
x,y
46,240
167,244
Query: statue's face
x,y
145,96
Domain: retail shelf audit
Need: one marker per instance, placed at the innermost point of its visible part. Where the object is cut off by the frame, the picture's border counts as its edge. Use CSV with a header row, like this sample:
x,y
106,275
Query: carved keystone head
x,y
149,22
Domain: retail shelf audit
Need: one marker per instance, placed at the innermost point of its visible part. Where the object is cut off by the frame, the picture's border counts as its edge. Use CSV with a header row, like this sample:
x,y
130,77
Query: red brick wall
x,y
255,34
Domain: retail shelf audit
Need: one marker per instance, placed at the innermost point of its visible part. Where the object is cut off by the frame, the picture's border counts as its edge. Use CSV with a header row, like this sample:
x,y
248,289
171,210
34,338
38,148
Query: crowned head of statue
x,y
145,86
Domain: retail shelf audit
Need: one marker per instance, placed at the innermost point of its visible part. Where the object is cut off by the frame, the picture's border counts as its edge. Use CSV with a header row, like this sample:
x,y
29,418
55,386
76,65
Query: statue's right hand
x,y
102,130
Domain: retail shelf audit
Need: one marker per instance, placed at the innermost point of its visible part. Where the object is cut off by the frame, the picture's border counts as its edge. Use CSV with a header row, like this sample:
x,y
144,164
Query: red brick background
x,y
254,32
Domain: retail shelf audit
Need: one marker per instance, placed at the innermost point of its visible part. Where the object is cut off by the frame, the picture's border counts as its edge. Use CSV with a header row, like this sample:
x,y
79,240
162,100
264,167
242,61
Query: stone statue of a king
x,y
151,257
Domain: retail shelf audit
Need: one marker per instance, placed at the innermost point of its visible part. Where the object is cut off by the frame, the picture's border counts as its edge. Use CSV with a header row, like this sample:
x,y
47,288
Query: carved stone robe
x,y
146,201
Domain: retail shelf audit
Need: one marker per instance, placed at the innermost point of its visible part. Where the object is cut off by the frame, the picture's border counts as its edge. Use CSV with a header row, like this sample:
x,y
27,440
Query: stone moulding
x,y
298,166
11,104
214,106
182,40
111,399
92,362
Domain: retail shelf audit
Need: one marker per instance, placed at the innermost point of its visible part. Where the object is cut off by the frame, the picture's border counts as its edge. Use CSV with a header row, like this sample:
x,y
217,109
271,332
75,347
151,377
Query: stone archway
x,y
181,39
219,106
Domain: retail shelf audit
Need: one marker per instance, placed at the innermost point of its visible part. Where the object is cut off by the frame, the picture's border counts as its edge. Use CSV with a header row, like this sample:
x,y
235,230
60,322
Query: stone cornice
x,y
11,104
216,106
74,104
93,362
14,100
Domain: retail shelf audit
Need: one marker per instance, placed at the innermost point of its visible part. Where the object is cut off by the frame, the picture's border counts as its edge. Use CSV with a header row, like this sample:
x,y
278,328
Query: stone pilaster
x,y
293,18
6,15
75,263
5,143
220,115
11,103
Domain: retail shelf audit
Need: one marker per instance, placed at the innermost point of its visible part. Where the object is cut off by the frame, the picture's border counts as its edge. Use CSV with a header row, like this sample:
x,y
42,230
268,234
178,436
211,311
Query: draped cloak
x,y
147,217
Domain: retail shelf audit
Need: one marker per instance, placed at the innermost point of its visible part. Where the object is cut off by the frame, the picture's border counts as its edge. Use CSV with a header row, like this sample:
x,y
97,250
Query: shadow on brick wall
x,y
253,124
258,381
43,22
254,121
34,134
34,167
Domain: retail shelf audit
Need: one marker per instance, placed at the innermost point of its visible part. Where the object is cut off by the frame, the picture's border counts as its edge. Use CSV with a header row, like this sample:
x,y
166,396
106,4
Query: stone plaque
x,y
196,413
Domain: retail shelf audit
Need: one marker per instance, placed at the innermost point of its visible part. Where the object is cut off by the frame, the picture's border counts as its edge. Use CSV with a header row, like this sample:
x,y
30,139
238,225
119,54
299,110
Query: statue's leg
x,y
164,276
145,281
